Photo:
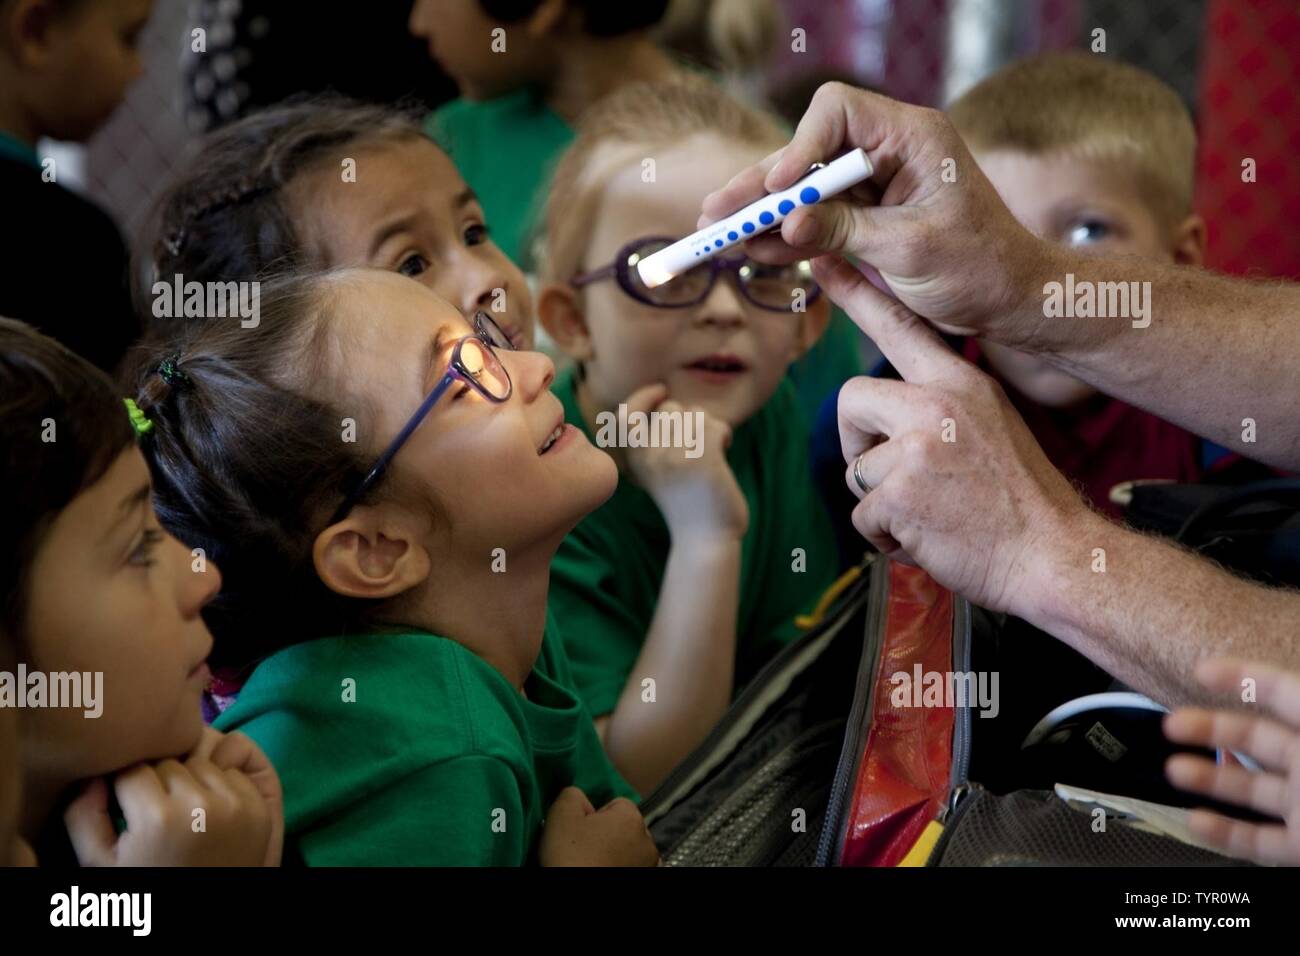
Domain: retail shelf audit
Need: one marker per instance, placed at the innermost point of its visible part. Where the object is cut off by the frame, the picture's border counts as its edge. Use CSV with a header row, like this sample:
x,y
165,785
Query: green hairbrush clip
x,y
139,421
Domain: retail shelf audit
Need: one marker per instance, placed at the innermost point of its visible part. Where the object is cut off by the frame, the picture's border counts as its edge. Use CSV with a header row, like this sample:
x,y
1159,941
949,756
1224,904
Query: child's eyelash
x,y
142,554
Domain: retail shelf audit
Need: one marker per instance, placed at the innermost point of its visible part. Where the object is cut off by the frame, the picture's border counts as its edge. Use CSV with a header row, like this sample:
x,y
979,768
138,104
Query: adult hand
x,y
928,220
956,482
1274,741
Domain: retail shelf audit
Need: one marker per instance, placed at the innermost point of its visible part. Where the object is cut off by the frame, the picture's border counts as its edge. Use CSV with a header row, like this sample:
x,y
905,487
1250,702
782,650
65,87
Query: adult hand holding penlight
x,y
930,223
767,212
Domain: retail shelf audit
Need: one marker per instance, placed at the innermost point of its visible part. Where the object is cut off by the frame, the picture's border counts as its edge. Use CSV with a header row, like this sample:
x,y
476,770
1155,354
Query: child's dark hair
x,y
600,18
62,425
248,465
225,215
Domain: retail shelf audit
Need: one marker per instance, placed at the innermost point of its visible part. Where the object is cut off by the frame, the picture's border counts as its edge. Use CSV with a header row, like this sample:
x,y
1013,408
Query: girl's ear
x,y
812,323
560,314
367,555
548,15
1189,242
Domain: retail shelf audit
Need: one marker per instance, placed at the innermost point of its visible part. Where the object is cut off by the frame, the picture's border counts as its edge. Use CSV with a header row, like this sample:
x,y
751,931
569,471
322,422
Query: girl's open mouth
x,y
556,438
718,368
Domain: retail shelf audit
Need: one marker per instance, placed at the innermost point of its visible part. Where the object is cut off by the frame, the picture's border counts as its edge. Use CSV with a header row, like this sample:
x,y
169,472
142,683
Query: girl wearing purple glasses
x,y
384,484
674,592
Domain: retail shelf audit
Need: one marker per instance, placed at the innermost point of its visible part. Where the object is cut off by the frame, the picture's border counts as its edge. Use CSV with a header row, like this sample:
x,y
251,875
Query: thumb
x,y
208,742
830,226
647,397
89,827
237,751
571,804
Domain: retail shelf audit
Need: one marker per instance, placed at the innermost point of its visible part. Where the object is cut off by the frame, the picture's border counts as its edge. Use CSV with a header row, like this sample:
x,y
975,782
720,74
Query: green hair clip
x,y
139,422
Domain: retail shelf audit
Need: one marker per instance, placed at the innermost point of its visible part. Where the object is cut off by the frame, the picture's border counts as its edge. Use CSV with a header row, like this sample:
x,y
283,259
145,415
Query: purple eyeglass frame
x,y
620,271
456,372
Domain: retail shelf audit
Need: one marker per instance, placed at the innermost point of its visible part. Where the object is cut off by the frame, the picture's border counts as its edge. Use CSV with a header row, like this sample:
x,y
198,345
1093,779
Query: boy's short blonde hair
x,y
1088,106
619,130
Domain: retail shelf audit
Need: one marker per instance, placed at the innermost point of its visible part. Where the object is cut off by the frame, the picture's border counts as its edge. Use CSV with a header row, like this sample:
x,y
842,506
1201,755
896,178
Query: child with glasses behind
x,y
674,592
384,486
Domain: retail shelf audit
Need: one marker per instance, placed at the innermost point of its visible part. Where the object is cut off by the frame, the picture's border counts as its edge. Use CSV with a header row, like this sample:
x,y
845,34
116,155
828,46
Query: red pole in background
x,y
1250,110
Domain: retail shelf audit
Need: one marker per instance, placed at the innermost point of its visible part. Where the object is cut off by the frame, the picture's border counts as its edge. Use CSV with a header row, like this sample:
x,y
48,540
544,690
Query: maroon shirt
x,y
1104,441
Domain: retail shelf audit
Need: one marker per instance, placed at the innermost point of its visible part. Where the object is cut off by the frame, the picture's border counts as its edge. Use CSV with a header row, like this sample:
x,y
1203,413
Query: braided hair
x,y
225,215
247,463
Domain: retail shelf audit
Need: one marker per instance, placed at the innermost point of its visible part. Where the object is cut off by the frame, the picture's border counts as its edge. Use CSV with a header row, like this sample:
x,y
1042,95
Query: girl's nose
x,y
723,305
200,581
531,372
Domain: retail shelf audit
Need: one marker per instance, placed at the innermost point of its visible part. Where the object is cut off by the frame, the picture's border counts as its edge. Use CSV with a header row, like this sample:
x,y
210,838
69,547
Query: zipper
x,y
961,731
962,788
855,731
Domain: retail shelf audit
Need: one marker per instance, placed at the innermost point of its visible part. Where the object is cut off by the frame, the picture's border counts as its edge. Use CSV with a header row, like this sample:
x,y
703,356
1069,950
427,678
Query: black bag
x,y
1253,529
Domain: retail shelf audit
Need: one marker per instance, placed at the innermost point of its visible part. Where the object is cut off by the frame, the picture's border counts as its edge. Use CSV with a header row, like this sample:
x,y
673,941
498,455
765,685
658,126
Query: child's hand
x,y
577,834
1275,744
241,825
236,751
693,494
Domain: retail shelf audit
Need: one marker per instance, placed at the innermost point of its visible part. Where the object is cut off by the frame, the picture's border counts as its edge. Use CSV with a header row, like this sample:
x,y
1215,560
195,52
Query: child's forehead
x,y
399,164
1064,164
392,311
406,179
1069,175
116,496
665,187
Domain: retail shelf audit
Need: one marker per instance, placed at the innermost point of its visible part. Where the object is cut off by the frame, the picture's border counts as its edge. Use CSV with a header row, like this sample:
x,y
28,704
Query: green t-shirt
x,y
507,149
606,577
436,753
14,148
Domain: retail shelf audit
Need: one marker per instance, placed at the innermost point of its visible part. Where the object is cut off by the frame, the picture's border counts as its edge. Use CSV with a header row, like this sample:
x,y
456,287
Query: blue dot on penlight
x,y
733,235
809,195
717,243
748,226
785,207
766,218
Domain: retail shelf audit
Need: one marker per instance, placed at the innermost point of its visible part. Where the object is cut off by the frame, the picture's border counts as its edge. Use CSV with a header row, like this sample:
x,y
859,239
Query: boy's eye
x,y
460,393
1090,230
413,265
476,234
142,553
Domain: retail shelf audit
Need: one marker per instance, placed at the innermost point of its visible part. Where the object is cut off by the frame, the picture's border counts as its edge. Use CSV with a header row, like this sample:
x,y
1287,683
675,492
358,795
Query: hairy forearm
x,y
1148,610
690,654
1218,356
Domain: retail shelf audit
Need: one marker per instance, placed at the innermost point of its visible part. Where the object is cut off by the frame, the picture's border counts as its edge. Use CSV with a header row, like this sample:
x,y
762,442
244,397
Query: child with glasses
x,y
674,592
384,485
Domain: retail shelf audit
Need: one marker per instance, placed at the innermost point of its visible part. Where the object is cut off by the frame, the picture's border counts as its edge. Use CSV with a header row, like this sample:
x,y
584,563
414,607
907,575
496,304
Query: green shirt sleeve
x,y
462,812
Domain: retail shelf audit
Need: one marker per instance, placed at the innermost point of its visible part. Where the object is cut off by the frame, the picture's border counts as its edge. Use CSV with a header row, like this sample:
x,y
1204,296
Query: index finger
x,y
902,336
839,117
137,789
